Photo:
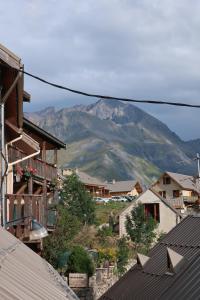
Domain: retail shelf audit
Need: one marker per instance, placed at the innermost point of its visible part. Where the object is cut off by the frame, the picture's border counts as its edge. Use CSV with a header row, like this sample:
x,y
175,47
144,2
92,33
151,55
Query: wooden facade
x,y
30,181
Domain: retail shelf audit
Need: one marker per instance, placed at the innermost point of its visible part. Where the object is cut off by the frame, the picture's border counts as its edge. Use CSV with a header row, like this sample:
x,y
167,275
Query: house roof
x,y
153,280
25,275
122,186
47,136
186,182
87,179
166,202
9,57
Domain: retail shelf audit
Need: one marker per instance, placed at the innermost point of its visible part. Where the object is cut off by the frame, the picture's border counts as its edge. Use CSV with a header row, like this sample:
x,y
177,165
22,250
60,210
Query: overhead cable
x,y
161,102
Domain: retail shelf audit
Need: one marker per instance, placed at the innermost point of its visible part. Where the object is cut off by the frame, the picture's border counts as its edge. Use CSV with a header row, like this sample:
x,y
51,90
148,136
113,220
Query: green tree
x,y
141,229
80,262
122,256
59,240
77,199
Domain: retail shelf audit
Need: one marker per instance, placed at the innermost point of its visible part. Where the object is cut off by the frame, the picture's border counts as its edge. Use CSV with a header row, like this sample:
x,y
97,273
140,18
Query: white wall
x,y
168,218
159,186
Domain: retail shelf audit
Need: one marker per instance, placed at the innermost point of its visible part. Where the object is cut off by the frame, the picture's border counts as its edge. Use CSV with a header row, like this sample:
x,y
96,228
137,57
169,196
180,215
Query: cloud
x,y
132,48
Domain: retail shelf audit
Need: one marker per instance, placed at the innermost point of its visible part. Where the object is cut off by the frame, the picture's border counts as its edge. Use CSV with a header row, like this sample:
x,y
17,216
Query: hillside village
x,y
33,182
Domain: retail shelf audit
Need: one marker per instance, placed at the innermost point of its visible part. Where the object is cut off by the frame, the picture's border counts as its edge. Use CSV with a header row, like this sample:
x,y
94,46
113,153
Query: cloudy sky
x,y
145,49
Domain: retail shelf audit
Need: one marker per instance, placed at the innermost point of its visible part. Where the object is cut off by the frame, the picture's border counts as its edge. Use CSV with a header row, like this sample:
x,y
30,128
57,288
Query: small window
x,y
176,193
166,180
162,194
153,211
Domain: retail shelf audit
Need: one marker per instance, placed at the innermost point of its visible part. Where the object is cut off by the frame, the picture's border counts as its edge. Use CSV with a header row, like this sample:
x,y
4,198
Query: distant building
x,y
171,270
173,185
94,186
128,187
155,206
181,190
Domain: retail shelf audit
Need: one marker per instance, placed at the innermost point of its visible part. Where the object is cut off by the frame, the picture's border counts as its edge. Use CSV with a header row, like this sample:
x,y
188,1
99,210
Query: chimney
x,y
113,181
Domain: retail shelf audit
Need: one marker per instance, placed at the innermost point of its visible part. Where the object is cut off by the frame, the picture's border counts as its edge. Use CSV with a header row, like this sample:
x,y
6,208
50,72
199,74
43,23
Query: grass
x,y
104,210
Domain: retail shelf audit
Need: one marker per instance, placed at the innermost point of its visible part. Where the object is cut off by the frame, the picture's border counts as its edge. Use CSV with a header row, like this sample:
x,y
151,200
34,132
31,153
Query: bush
x,y
122,256
106,255
80,262
105,231
77,200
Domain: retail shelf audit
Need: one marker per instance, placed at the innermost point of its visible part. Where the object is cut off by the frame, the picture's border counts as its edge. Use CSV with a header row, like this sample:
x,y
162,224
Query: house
x,y
93,185
157,207
128,187
173,185
26,276
28,179
171,270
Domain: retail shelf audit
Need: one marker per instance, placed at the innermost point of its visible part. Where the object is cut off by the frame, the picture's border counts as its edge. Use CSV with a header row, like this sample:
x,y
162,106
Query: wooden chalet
x,y
28,178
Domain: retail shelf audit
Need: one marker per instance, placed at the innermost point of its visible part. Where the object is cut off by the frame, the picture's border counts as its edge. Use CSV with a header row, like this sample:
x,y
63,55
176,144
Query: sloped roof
x,y
87,179
25,275
153,280
187,182
46,135
9,57
165,201
122,186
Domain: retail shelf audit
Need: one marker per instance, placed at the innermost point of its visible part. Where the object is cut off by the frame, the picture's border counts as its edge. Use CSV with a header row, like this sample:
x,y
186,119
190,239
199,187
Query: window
x,y
176,193
166,180
162,194
152,210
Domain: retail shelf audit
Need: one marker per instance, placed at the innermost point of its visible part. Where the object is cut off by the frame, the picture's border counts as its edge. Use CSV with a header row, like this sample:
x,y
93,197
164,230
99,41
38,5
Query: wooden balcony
x,y
21,209
44,170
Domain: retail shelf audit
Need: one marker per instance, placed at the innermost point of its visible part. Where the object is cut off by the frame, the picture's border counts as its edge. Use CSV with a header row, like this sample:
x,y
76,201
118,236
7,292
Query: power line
x,y
108,97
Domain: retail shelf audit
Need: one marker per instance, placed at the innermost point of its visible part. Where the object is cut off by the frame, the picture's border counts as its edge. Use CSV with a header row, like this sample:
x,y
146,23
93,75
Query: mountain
x,y
113,140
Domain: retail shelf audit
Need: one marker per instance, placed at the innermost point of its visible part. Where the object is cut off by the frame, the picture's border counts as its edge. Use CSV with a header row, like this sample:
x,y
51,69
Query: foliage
x,y
56,243
77,200
141,229
122,256
106,255
105,231
80,262
161,236
103,212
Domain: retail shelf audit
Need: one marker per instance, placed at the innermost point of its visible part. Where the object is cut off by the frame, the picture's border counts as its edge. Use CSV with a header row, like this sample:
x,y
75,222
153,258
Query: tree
x,y
141,229
59,240
77,200
80,262
122,256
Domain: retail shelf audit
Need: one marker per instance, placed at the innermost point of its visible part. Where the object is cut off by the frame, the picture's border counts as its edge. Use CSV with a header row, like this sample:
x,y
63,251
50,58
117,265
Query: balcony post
x,y
55,156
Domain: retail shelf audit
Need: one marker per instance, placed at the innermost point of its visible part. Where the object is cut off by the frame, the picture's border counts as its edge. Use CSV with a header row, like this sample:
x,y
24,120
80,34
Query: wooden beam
x,y
22,189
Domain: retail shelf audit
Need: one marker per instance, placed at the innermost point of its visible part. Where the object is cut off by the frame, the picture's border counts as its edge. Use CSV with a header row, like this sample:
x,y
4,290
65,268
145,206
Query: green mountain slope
x,y
113,140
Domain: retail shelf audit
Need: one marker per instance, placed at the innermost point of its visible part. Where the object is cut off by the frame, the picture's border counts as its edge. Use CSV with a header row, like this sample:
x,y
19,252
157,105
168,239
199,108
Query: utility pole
x,y
2,158
197,158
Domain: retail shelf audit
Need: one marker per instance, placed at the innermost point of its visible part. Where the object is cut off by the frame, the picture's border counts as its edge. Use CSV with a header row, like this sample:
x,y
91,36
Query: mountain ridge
x,y
110,139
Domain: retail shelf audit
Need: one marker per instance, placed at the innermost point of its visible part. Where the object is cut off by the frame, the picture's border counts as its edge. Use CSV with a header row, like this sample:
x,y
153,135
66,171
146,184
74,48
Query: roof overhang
x,y
9,57
24,143
44,134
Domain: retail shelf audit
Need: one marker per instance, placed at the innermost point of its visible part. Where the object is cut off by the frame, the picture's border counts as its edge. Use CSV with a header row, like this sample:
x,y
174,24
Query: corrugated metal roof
x,y
153,281
25,275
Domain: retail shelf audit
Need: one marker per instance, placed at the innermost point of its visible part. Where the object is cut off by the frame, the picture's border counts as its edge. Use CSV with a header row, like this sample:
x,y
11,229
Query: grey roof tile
x,y
153,280
122,186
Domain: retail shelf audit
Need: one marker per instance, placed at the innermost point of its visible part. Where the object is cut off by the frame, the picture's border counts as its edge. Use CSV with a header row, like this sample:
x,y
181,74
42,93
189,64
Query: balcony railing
x,y
44,170
21,209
